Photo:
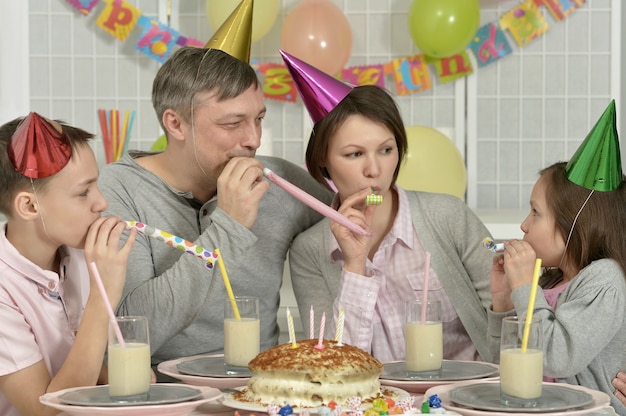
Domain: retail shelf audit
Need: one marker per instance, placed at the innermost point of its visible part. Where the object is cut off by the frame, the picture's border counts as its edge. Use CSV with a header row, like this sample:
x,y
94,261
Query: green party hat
x,y
597,164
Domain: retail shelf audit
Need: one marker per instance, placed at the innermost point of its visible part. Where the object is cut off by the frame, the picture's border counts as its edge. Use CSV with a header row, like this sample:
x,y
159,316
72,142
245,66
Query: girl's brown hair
x,y
597,231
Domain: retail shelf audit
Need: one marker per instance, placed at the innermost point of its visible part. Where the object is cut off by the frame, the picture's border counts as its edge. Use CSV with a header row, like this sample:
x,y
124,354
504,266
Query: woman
x,y
359,144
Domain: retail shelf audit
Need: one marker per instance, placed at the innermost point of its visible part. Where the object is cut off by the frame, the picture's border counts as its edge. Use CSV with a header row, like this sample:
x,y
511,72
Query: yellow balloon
x,y
432,164
264,14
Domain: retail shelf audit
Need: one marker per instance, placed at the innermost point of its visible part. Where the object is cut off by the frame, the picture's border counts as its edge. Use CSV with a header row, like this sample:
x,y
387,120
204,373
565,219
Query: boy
x,y
54,328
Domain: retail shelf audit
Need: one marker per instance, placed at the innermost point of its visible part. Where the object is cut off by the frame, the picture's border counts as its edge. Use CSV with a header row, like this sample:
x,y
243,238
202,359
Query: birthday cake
x,y
307,376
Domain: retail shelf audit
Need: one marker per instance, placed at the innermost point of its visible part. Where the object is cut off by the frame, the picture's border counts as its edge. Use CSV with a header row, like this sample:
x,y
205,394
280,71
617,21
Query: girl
x,y
577,215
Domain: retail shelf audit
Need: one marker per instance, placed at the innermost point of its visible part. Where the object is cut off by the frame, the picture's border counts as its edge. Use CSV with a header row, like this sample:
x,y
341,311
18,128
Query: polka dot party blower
x,y
171,240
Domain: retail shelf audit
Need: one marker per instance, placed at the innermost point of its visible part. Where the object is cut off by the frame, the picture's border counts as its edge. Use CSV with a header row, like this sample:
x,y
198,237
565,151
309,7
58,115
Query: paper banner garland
x,y
524,23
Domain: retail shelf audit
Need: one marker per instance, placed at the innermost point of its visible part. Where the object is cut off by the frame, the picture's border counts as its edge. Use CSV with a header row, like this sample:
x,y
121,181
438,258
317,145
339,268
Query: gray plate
x,y
159,394
450,371
210,367
486,396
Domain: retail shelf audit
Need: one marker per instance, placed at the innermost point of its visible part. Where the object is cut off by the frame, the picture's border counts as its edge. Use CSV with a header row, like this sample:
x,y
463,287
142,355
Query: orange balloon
x,y
318,32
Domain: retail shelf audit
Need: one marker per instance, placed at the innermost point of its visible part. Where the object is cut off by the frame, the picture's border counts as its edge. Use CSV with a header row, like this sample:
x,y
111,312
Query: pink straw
x,y
105,298
425,287
320,342
314,203
312,323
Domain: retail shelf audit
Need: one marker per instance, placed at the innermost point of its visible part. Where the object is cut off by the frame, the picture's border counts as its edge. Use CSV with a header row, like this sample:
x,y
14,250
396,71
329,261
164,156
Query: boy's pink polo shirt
x,y
40,311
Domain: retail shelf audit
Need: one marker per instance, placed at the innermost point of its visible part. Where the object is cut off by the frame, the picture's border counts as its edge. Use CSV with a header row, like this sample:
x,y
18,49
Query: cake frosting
x,y
309,377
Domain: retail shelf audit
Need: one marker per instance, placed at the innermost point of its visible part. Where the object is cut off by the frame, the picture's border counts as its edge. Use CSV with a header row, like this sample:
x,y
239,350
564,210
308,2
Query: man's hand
x,y
240,188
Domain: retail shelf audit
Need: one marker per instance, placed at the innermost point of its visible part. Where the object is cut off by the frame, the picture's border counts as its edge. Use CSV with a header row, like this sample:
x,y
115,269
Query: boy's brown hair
x,y
12,181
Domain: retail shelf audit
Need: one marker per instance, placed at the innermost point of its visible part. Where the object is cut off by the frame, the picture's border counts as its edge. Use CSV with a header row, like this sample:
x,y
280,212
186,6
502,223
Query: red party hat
x,y
38,148
319,91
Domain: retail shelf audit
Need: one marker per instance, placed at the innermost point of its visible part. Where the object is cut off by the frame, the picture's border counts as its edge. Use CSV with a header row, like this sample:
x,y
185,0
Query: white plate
x,y
230,401
470,370
175,409
169,368
600,400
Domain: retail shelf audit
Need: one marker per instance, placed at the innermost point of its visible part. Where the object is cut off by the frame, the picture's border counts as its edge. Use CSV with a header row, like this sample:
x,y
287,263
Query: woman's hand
x,y
355,247
619,382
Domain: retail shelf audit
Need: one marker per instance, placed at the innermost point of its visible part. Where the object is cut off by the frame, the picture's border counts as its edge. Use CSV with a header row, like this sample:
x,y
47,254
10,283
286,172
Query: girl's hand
x,y
519,263
500,289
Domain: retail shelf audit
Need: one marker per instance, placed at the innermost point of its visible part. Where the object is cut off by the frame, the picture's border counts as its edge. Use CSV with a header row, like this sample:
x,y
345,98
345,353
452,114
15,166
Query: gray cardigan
x,y
585,337
446,227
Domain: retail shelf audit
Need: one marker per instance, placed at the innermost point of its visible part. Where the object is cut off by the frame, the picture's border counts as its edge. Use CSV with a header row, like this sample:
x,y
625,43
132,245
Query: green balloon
x,y
159,144
443,28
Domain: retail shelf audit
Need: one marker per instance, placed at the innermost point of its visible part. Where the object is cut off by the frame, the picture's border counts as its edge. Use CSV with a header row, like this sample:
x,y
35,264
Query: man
x,y
206,187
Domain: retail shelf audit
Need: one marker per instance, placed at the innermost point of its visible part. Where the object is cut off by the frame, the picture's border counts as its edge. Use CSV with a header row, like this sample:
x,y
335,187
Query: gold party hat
x,y
234,36
597,164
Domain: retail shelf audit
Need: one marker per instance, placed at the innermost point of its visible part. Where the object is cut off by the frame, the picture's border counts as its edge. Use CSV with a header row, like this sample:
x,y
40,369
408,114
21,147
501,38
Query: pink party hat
x,y
234,36
38,147
320,92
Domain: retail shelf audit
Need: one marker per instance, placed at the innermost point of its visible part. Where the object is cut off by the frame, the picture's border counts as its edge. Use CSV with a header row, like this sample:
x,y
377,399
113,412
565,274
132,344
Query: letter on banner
x,y
489,44
365,75
452,67
157,40
525,22
411,74
118,18
278,83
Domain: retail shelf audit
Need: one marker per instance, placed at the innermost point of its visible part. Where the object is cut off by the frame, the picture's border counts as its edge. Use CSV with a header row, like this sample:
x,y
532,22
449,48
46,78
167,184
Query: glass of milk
x,y
423,338
129,361
242,334
521,372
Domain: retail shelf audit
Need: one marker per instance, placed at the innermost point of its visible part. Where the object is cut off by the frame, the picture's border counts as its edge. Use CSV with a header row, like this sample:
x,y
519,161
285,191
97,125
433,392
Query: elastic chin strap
x,y
193,127
571,230
40,210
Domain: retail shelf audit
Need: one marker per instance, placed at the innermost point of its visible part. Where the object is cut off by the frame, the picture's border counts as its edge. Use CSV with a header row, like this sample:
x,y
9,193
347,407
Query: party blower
x,y
190,248
314,203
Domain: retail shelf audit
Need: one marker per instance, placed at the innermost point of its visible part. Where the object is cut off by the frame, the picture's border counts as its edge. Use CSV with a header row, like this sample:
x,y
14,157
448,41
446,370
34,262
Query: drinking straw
x,y
339,329
174,241
425,288
292,331
114,132
320,342
130,128
105,298
106,139
314,203
531,304
229,289
123,137
311,323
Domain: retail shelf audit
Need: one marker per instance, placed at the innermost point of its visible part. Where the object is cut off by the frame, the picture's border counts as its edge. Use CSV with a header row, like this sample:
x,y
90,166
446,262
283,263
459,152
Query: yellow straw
x,y
229,289
531,304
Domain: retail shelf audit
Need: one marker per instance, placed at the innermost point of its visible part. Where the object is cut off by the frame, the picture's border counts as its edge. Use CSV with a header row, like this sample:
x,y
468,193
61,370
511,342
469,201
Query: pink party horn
x,y
314,203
